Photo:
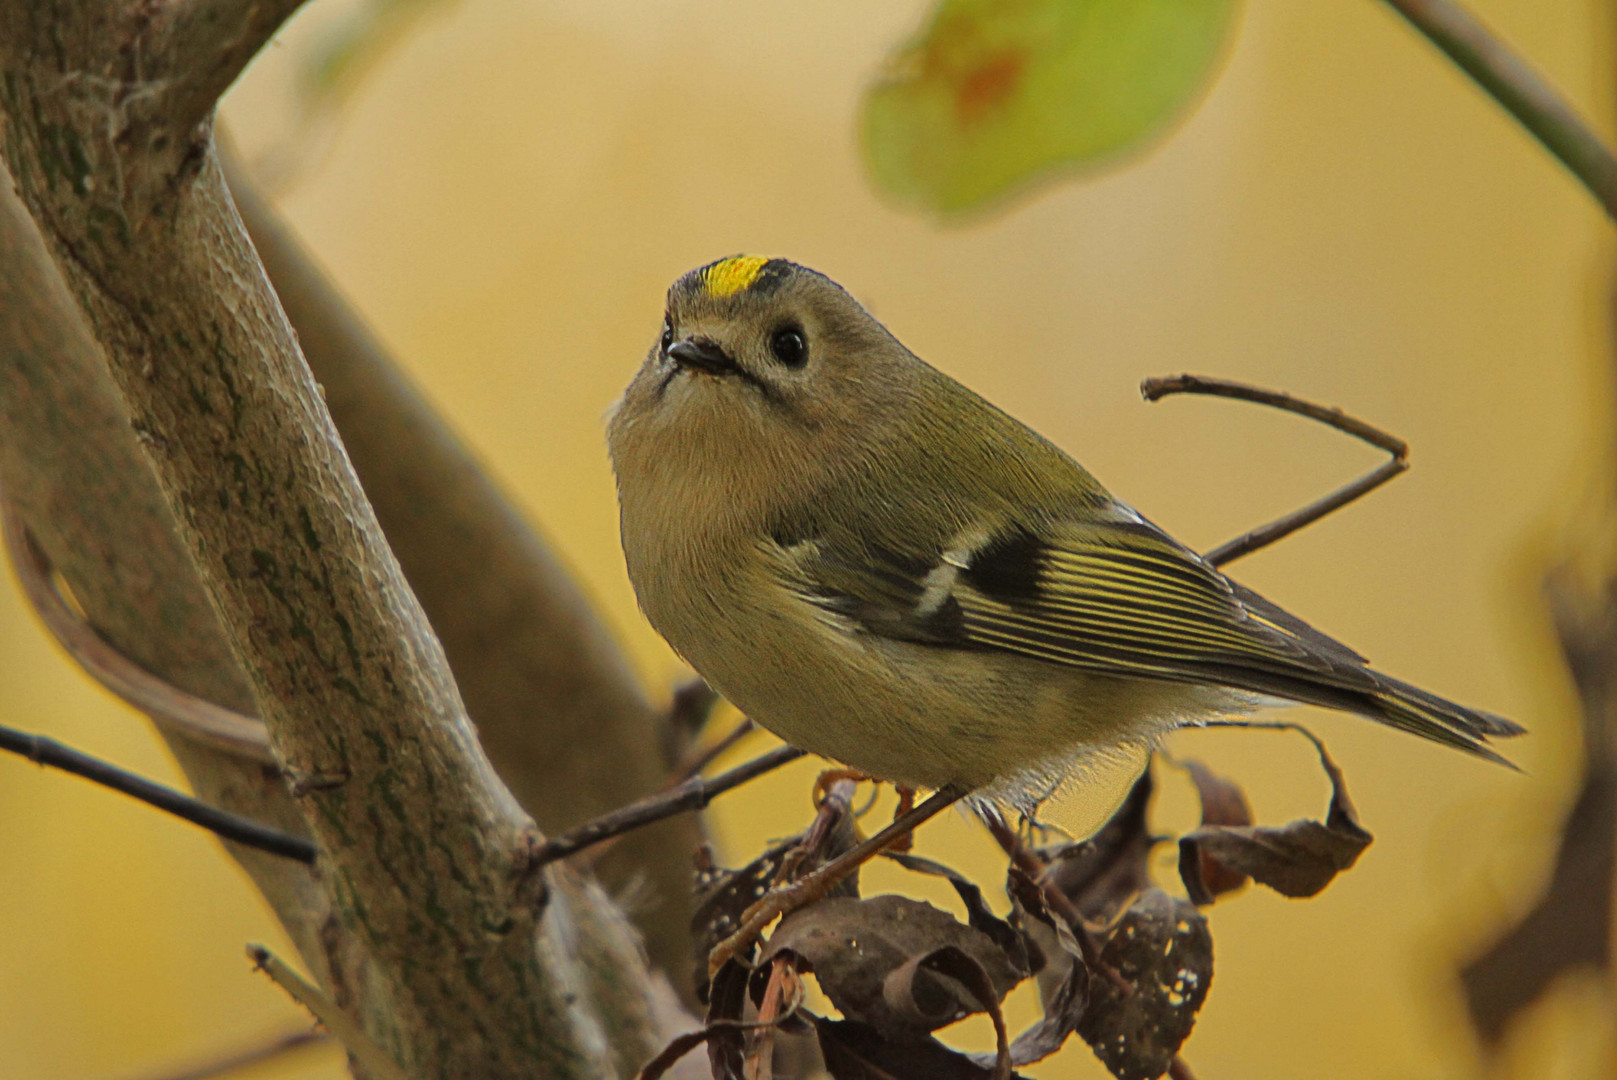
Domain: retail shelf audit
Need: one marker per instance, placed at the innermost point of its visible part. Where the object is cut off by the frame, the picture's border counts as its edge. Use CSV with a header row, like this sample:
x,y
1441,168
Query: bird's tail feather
x,y
1425,714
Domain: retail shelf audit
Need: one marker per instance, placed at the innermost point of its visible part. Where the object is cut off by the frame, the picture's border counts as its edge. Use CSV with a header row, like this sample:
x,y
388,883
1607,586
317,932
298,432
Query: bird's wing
x,y
1115,595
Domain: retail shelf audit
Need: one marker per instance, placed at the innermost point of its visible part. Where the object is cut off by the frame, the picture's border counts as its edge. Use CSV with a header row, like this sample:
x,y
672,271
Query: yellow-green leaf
x,y
995,95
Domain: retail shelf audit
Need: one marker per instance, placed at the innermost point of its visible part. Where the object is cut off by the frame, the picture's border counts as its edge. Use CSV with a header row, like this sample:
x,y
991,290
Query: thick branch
x,y
556,706
206,44
70,466
423,851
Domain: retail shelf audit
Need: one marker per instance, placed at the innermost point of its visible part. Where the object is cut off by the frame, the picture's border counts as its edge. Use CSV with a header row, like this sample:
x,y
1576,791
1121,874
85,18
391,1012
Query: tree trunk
x,y
169,448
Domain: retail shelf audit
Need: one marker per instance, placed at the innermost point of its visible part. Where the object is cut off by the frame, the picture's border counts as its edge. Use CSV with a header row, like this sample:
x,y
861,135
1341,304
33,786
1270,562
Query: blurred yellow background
x,y
510,191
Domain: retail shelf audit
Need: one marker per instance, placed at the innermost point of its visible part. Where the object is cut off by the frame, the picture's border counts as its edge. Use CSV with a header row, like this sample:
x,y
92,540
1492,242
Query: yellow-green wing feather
x,y
1117,600
1116,596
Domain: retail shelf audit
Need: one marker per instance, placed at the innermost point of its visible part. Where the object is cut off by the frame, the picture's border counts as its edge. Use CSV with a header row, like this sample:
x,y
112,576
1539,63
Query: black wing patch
x,y
1008,567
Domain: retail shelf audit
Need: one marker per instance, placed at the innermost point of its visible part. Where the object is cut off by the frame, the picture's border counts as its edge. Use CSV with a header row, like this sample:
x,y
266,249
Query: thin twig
x,y
806,890
1158,387
1154,389
693,794
45,751
1284,526
700,759
194,717
1326,762
375,1061
704,757
237,1060
1522,91
1268,725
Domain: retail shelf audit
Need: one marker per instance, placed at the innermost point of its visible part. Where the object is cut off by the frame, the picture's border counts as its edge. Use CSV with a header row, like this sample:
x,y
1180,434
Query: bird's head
x,y
764,375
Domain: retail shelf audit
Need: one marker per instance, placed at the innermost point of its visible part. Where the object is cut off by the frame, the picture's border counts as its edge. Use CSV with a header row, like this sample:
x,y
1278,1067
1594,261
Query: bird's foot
x,y
823,782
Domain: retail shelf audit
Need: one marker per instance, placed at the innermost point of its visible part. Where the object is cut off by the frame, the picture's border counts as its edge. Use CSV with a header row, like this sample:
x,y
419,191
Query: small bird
x,y
882,568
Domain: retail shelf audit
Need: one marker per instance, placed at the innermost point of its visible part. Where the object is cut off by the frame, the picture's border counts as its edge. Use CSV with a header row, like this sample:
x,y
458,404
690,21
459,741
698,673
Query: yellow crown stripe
x,y
733,275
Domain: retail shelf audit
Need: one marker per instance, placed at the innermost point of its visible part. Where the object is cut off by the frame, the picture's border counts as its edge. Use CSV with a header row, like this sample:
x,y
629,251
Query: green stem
x,y
1520,89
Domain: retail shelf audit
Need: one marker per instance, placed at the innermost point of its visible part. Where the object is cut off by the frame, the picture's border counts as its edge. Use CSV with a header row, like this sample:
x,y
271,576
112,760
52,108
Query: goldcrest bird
x,y
882,568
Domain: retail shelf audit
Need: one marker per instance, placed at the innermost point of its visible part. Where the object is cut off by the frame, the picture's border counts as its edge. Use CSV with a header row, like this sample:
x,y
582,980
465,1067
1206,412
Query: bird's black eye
x,y
668,336
789,346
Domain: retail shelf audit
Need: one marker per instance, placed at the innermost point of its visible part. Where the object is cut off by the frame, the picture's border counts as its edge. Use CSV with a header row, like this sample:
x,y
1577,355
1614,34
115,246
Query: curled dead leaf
x,y
978,914
1294,860
1222,800
1063,977
896,964
723,896
1103,874
727,998
1223,804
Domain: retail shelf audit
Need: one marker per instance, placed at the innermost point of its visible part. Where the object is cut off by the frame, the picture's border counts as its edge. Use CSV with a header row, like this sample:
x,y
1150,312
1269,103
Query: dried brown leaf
x,y
979,916
1063,1010
1162,947
727,998
1223,803
1063,977
879,961
1294,860
1103,874
723,896
1222,800
953,963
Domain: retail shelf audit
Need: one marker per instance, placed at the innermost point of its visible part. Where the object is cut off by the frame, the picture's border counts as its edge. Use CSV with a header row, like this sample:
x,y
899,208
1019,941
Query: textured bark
x,y
69,462
207,467
556,707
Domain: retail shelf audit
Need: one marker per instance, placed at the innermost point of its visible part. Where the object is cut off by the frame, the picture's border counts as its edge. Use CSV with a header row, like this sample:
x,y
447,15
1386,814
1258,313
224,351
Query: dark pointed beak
x,y
703,355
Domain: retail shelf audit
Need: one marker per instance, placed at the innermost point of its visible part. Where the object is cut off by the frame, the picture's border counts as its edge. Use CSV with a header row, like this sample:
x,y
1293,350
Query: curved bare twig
x,y
1154,389
238,1060
195,718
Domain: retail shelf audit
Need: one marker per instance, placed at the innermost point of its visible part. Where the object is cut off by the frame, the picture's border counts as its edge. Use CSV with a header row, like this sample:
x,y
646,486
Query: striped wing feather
x,y
1125,598
1120,598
